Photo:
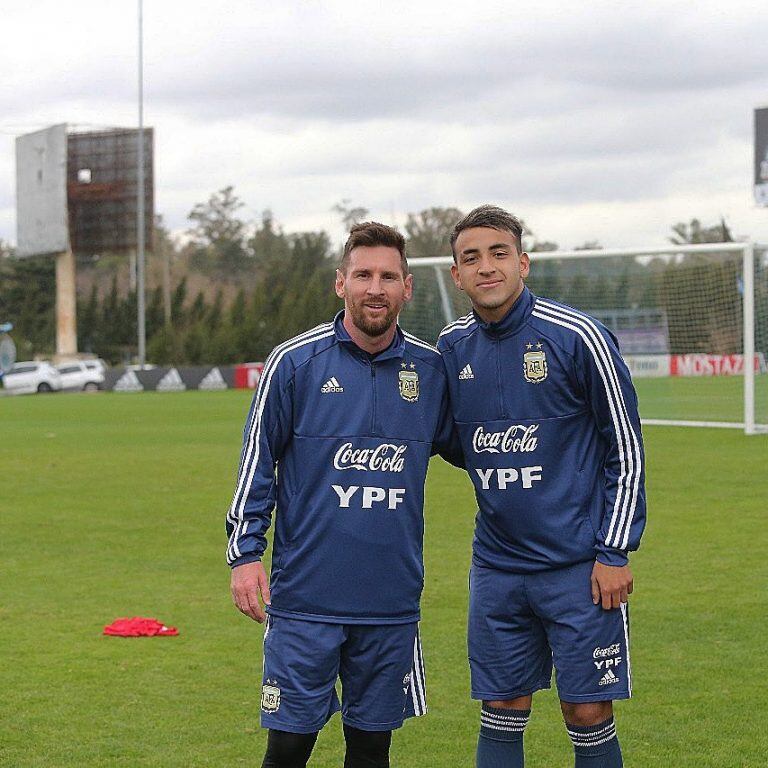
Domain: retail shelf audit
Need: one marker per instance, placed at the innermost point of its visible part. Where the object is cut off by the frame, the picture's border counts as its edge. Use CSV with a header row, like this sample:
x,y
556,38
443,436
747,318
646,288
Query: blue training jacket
x,y
350,436
547,416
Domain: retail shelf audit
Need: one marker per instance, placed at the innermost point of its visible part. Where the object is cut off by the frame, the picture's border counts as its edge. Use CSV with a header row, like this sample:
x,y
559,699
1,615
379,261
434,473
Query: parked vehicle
x,y
32,376
81,375
97,364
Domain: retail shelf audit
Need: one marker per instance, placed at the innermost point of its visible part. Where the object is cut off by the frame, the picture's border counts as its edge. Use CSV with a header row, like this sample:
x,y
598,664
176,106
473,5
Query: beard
x,y
372,326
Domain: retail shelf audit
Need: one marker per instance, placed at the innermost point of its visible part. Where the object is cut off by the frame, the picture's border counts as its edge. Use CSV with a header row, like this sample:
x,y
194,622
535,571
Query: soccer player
x,y
548,421
339,437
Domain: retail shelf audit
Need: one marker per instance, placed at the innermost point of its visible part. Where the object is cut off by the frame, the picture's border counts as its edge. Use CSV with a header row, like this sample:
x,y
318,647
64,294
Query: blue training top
x,y
548,421
351,435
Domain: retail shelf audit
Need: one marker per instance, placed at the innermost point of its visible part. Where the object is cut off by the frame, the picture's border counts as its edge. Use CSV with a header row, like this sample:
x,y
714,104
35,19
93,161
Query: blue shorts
x,y
519,624
381,669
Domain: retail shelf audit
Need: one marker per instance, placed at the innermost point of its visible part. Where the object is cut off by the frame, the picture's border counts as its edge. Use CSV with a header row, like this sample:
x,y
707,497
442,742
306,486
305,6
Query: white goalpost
x,y
692,321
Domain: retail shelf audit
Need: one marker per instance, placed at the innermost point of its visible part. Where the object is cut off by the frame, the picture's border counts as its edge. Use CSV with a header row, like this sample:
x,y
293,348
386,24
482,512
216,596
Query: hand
x,y
249,583
611,584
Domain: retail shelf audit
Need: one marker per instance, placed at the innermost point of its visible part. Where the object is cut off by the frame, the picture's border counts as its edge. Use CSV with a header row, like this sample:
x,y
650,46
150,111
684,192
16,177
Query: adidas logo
x,y
213,380
171,382
332,385
128,382
608,678
466,372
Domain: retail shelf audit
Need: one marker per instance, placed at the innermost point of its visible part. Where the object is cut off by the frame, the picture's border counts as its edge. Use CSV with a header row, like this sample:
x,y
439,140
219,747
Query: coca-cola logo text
x,y
515,439
611,650
386,457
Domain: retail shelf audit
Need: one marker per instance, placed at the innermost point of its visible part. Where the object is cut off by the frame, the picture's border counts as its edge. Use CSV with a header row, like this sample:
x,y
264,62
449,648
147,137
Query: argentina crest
x,y
270,698
535,364
408,382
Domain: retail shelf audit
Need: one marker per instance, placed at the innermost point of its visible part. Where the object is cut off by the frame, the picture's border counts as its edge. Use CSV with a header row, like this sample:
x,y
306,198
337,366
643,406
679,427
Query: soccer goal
x,y
692,322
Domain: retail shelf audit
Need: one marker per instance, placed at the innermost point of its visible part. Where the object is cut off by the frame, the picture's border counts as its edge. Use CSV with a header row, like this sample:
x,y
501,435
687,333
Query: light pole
x,y
140,203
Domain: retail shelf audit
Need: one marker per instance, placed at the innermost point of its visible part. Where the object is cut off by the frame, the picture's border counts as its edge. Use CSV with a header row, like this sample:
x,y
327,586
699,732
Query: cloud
x,y
401,106
341,61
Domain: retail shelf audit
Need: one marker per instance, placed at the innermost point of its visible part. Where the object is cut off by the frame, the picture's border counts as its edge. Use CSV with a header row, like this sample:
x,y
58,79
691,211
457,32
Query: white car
x,y
96,363
31,377
81,375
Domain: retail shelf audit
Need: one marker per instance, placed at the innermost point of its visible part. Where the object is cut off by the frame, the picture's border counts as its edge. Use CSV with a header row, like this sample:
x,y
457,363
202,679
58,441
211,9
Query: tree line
x,y
232,290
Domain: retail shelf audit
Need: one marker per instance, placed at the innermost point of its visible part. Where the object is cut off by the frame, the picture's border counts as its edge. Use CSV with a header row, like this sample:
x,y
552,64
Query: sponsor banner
x,y
204,377
227,373
247,375
114,375
713,365
171,379
193,375
648,366
643,341
181,378
128,380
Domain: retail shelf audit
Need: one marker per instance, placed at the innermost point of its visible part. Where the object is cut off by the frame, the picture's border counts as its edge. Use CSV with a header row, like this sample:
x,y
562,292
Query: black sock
x,y
596,746
500,744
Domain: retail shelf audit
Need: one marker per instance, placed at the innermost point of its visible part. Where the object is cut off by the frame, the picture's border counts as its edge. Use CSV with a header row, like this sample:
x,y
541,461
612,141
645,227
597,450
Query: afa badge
x,y
270,698
408,382
535,366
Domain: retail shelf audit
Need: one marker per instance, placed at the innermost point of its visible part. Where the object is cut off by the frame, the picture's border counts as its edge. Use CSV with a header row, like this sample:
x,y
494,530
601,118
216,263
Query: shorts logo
x,y
408,382
270,698
611,650
607,658
535,364
608,678
614,662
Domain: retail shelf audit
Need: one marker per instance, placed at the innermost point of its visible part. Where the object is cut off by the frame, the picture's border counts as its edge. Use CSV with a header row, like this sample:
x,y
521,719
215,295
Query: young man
x,y
548,421
348,414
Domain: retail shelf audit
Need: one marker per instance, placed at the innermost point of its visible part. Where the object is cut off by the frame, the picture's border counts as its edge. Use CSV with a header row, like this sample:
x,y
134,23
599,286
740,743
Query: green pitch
x,y
113,505
706,398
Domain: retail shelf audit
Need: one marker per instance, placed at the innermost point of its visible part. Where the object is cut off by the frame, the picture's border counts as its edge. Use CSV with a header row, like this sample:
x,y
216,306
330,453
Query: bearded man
x,y
339,436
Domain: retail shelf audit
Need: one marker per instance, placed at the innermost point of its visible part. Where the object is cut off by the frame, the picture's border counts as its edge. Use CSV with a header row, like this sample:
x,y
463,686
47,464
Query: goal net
x,y
688,319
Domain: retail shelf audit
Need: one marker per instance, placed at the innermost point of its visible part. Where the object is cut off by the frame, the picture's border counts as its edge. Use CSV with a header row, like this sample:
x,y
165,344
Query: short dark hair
x,y
490,216
371,234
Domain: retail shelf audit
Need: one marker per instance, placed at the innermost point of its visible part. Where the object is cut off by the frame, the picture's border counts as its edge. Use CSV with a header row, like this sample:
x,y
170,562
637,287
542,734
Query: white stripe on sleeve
x,y
251,447
630,461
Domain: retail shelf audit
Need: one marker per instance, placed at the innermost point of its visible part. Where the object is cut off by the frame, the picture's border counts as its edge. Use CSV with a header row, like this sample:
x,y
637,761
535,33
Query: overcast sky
x,y
607,121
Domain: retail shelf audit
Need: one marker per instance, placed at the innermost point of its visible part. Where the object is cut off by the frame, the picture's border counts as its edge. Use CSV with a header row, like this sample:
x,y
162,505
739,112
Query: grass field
x,y
113,505
706,398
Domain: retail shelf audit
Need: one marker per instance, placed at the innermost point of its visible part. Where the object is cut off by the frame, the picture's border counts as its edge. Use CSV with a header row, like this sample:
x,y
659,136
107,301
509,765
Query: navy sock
x,y
500,744
596,746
